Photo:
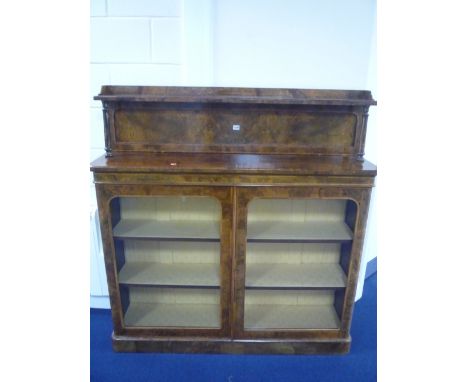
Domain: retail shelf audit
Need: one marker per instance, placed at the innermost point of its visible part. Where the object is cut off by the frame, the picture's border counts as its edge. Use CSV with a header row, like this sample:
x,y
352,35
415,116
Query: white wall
x,y
370,244
276,43
133,42
295,43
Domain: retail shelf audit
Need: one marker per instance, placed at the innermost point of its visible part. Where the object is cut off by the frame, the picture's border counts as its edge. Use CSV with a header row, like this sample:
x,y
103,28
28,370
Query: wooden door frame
x,y
106,192
243,195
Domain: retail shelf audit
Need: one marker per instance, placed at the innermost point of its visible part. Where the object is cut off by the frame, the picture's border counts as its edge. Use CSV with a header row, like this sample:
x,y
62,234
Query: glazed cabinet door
x,y
296,260
168,258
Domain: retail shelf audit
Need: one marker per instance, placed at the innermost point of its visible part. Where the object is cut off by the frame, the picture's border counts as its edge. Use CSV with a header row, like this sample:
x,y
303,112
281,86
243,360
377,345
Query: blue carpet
x,y
359,365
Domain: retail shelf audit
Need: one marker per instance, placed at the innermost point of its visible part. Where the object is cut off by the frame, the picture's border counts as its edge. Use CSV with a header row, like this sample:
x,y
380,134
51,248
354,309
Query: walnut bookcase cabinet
x,y
233,219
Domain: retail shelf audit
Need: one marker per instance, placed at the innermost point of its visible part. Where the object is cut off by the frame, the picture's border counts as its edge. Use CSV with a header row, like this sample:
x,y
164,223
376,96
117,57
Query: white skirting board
x,y
99,295
99,302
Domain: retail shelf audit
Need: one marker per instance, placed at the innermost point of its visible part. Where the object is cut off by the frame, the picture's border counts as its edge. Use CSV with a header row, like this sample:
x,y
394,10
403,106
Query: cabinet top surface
x,y
233,163
235,95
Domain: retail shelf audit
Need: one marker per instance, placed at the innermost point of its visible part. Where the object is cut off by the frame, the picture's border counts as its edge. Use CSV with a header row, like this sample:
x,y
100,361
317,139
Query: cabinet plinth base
x,y
212,345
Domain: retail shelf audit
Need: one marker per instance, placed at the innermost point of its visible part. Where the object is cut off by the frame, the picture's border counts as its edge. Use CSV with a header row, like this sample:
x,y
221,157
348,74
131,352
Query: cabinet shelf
x,y
167,230
170,275
291,317
295,276
172,315
304,232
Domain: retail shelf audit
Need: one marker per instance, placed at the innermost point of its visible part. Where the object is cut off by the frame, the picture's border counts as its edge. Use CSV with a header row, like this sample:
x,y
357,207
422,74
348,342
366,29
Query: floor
x,y
359,365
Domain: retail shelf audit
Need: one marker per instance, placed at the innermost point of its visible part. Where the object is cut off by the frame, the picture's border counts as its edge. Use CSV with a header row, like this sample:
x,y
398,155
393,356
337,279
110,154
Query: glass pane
x,y
296,262
168,259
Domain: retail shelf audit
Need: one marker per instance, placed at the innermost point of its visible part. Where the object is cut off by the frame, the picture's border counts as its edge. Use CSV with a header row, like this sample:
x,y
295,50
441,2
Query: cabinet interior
x,y
170,307
167,251
297,259
168,260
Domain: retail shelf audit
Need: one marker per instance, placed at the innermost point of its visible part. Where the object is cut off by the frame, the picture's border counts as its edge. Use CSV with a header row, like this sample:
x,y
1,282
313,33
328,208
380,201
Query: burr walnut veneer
x,y
233,219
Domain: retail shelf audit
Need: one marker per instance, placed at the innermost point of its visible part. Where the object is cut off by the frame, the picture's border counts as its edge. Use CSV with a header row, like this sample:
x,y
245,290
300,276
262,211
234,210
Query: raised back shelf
x,y
235,120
